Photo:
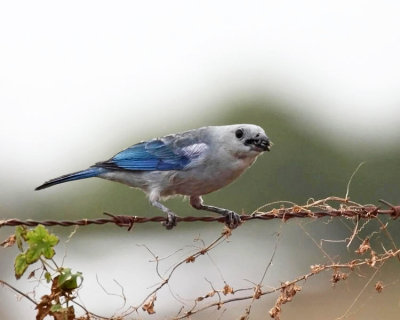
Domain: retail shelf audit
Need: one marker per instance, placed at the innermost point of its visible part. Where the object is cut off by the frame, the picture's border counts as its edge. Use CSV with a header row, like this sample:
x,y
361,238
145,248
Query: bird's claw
x,y
232,219
170,222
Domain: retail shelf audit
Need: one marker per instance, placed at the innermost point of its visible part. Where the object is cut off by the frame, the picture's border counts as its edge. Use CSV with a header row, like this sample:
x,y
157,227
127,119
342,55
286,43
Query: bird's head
x,y
245,140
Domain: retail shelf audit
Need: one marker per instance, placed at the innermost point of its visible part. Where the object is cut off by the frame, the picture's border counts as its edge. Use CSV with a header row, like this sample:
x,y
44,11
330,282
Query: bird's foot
x,y
232,219
171,221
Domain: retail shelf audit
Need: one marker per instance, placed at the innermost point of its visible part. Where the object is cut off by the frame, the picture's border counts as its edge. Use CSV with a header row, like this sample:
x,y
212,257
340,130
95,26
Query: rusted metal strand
x,y
369,212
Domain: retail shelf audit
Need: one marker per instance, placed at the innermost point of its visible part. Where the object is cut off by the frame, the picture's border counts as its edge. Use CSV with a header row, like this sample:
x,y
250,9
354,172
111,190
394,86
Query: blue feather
x,y
148,156
88,173
158,154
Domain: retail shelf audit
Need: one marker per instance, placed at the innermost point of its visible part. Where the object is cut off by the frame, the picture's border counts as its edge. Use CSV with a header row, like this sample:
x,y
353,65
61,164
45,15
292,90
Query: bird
x,y
191,163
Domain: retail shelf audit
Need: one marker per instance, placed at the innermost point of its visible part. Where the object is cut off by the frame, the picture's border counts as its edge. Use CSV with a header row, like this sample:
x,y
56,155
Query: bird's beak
x,y
263,144
260,143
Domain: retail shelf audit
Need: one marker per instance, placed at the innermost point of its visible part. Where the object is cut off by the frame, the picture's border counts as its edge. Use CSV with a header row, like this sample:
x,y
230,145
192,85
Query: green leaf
x,y
41,242
20,265
68,280
56,308
20,234
47,276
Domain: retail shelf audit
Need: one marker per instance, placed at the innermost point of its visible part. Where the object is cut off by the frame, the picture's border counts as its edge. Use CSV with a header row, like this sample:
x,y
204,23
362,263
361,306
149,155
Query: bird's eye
x,y
239,133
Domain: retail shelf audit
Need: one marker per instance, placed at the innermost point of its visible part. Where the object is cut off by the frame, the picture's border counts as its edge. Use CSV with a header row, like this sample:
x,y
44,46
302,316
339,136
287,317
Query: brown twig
x,y
316,269
328,207
18,291
152,295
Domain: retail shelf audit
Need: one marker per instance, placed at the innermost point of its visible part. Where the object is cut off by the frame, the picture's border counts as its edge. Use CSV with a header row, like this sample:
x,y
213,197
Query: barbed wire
x,y
220,298
315,209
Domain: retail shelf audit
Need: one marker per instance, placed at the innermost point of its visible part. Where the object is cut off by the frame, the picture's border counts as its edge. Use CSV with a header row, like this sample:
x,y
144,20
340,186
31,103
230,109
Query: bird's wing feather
x,y
158,154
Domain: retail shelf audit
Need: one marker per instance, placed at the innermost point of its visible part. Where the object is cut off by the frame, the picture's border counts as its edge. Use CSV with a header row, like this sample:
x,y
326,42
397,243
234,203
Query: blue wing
x,y
154,155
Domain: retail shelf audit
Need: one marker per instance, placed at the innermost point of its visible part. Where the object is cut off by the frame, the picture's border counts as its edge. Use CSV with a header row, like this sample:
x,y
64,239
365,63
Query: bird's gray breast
x,y
209,176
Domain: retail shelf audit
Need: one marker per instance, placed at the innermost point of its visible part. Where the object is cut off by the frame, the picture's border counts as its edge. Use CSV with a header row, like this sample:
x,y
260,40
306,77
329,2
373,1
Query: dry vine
x,y
219,298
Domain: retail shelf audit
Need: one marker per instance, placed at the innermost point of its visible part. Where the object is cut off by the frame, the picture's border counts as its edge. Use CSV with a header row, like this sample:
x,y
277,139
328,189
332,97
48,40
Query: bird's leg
x,y
171,217
232,219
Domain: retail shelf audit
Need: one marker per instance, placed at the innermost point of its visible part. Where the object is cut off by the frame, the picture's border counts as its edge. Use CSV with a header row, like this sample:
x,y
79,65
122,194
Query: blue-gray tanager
x,y
192,163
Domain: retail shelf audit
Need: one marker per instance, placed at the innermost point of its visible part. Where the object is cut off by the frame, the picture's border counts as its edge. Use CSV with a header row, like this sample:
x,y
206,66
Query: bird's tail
x,y
88,173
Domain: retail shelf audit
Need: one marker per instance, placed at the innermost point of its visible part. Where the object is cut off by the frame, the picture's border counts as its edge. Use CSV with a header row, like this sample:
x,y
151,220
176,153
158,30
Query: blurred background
x,y
79,81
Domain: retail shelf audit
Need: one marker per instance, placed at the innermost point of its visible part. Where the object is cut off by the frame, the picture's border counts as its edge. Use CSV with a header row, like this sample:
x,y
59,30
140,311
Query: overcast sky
x,y
81,75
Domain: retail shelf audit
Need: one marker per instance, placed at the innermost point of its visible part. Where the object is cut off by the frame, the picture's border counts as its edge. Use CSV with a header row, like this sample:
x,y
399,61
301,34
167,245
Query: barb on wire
x,y
314,209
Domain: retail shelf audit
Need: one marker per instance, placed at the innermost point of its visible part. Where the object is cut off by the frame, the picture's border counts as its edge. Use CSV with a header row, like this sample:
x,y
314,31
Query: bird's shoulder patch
x,y
195,150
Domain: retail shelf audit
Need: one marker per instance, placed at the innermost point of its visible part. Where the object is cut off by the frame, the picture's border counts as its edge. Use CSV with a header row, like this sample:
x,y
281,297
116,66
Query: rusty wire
x,y
364,212
342,207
